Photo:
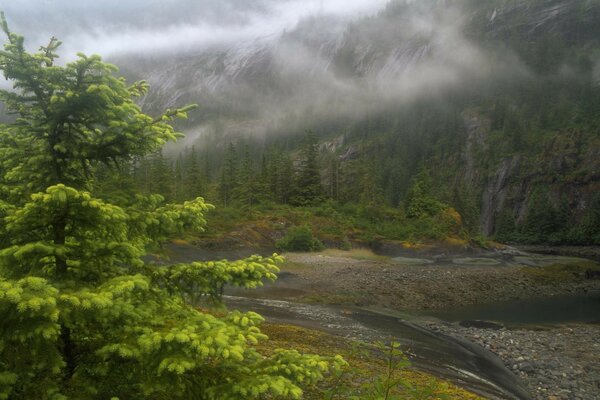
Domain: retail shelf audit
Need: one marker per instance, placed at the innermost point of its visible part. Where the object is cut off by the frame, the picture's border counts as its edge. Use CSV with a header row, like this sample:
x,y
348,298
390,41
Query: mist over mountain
x,y
255,66
116,27
495,98
326,68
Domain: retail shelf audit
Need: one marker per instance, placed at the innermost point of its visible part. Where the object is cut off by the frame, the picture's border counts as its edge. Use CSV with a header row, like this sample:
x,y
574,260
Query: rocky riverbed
x,y
558,363
410,283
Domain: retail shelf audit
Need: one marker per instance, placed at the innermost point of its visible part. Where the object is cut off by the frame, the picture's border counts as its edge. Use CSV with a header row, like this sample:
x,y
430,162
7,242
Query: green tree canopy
x,y
83,316
307,188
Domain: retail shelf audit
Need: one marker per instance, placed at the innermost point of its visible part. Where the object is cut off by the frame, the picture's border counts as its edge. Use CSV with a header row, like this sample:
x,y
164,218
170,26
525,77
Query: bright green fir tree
x,y
83,316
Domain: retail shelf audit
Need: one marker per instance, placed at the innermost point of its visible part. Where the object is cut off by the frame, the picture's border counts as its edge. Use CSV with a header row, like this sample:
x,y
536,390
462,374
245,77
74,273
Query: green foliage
x,y
334,223
591,222
546,223
559,273
465,136
84,317
247,192
69,119
229,175
542,219
419,199
389,385
299,238
307,186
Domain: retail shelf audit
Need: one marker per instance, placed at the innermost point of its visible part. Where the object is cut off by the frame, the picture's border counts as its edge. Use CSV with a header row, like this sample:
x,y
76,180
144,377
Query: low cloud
x,y
267,66
116,27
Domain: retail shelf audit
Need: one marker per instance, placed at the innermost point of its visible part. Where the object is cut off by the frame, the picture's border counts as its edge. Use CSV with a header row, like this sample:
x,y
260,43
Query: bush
x,y
299,238
346,245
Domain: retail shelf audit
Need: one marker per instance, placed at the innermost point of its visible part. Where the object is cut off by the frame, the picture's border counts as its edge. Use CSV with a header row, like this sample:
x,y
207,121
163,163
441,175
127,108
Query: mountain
x,y
498,100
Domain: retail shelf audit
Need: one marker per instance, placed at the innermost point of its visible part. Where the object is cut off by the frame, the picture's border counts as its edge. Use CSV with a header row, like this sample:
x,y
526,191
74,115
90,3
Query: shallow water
x,y
551,310
457,360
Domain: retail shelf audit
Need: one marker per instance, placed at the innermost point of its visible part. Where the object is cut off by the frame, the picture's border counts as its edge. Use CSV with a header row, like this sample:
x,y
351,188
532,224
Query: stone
x,y
526,367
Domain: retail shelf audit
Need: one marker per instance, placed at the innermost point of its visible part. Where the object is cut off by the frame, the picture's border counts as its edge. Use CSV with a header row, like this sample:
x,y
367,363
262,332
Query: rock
x,y
480,324
558,363
526,367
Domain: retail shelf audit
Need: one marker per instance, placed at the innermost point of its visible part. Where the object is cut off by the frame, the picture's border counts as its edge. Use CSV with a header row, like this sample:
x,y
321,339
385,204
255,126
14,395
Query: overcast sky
x,y
110,27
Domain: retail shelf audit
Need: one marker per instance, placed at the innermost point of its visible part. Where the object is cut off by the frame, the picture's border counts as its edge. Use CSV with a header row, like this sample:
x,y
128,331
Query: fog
x,y
257,65
110,27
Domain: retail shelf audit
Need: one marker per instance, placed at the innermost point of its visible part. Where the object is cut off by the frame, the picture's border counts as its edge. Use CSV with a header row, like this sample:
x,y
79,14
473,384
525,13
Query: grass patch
x,y
334,223
365,367
295,266
356,254
559,272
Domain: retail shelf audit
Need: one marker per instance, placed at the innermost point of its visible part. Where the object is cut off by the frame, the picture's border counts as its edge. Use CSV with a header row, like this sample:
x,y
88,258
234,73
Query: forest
x,y
376,201
514,151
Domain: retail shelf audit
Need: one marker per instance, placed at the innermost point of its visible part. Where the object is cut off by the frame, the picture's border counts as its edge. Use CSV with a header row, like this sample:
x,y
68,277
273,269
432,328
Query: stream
x,y
577,308
457,360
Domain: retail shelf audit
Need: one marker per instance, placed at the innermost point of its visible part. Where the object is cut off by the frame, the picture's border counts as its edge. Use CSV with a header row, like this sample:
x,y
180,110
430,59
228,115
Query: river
x,y
455,359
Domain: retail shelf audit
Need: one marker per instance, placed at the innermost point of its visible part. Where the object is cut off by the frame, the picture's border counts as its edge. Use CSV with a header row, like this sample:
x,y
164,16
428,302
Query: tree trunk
x,y
59,228
68,352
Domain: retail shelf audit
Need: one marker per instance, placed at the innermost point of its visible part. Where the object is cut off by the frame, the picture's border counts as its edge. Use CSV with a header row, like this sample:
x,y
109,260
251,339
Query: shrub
x,y
299,238
346,245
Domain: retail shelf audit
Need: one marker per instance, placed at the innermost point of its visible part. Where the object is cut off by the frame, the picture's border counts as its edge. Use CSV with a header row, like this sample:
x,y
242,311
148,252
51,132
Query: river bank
x,y
557,363
361,278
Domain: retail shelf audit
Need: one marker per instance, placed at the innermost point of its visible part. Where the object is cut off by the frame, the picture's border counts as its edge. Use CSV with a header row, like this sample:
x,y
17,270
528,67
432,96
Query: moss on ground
x,y
560,272
336,226
361,254
364,367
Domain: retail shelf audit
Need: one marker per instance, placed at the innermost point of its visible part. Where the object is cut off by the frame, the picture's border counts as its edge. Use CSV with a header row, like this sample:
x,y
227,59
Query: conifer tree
x,y
245,192
334,170
178,192
284,179
229,175
263,183
194,184
161,175
419,200
308,188
279,176
541,218
83,317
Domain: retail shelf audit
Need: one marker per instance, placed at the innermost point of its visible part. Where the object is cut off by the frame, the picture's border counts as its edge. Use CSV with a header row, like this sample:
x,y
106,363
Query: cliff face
x,y
520,79
566,164
322,69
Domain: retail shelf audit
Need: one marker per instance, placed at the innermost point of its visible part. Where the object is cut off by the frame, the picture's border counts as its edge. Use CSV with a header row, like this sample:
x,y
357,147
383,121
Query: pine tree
x,y
229,174
263,183
279,176
307,187
334,180
83,316
194,181
178,192
420,201
245,191
371,194
161,176
285,179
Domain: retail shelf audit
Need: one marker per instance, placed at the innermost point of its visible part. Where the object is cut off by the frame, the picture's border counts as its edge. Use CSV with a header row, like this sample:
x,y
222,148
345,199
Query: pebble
x,y
560,363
